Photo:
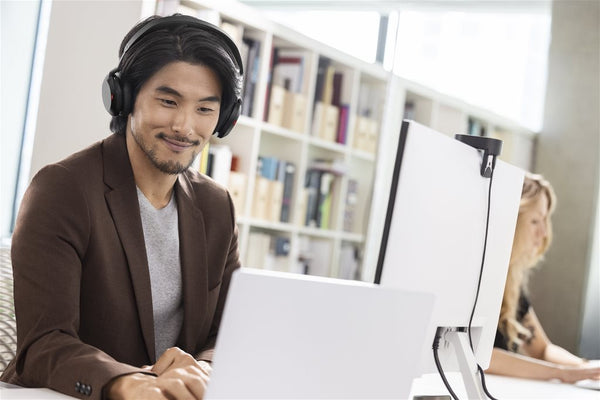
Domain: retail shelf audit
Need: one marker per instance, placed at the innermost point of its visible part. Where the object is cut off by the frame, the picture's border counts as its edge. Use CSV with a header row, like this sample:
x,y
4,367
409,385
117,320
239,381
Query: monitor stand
x,y
466,363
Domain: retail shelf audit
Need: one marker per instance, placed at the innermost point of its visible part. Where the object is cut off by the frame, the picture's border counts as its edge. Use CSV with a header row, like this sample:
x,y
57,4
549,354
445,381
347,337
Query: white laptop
x,y
295,336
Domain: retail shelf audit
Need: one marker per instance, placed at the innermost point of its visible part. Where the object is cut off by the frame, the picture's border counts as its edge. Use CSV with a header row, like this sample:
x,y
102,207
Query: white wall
x,y
82,47
568,155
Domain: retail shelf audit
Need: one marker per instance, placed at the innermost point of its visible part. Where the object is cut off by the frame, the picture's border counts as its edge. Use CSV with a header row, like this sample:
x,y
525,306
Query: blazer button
x,y
78,387
88,390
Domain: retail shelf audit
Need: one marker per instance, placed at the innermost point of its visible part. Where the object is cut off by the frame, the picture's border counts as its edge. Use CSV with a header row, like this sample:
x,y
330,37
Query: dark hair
x,y
163,45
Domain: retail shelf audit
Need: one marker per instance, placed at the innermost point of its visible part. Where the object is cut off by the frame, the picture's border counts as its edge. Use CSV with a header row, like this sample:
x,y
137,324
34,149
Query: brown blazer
x,y
82,287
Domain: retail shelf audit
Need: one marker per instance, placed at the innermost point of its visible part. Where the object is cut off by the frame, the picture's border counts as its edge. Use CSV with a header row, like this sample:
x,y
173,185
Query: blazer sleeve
x,y
48,246
232,263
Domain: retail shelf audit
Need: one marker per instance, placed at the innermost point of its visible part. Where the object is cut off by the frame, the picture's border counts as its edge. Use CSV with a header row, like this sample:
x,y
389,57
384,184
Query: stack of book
x,y
218,162
286,103
273,189
330,114
319,187
349,261
266,251
315,256
250,52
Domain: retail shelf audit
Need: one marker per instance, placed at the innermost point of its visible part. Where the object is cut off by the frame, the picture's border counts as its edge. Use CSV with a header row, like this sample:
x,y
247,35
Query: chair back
x,y
8,323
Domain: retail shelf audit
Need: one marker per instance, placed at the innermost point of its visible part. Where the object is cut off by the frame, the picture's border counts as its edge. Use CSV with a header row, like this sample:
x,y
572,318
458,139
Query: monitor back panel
x,y
435,232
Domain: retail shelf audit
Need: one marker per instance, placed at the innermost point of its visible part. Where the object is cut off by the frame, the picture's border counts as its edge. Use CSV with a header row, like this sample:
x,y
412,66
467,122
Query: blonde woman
x,y
522,349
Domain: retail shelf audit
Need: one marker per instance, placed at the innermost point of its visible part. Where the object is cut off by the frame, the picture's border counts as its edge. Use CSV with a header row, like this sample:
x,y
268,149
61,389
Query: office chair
x,y
8,323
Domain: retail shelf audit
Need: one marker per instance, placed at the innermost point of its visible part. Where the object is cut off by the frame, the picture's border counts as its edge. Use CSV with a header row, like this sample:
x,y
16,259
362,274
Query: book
x,y
328,85
300,212
313,186
294,111
237,190
251,69
209,163
201,163
276,104
221,163
320,79
288,69
324,200
349,261
260,202
325,121
319,260
258,250
336,96
275,199
272,62
329,124
286,174
350,206
268,167
343,124
409,110
280,248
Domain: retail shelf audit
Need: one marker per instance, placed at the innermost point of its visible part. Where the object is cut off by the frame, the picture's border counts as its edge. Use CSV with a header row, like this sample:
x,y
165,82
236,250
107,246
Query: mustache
x,y
177,138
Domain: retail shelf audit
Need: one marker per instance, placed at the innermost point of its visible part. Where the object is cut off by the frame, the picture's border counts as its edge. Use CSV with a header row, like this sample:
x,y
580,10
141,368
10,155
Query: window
x,y
497,61
19,29
354,32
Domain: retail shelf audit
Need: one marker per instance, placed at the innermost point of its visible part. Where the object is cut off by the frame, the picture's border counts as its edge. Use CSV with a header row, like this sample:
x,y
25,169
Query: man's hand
x,y
179,376
174,358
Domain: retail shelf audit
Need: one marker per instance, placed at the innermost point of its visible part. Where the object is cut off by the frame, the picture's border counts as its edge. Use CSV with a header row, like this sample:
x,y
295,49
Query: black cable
x,y
485,389
487,224
436,345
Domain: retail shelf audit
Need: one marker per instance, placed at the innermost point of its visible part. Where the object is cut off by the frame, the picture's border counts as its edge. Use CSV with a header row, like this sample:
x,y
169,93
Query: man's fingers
x,y
185,383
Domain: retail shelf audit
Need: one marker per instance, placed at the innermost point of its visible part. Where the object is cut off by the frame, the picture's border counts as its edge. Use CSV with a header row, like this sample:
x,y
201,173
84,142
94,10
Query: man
x,y
122,256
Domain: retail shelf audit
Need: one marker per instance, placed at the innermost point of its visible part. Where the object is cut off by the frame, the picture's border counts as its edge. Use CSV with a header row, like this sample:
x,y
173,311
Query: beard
x,y
170,167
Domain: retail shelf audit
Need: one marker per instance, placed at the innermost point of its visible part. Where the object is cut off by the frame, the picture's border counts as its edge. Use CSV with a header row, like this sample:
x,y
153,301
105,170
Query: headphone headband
x,y
188,20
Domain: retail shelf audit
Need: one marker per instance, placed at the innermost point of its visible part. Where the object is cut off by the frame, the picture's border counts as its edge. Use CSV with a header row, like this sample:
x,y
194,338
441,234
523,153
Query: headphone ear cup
x,y
126,99
228,119
112,94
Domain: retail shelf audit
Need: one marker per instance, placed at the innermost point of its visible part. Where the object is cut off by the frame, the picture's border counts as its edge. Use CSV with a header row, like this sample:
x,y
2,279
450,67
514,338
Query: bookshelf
x,y
332,122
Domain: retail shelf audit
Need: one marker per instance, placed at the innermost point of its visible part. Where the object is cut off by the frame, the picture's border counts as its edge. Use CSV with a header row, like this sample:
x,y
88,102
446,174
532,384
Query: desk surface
x,y
505,388
500,387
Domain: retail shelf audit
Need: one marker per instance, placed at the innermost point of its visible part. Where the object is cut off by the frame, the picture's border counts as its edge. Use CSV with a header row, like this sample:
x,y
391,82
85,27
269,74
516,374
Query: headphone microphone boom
x,y
117,96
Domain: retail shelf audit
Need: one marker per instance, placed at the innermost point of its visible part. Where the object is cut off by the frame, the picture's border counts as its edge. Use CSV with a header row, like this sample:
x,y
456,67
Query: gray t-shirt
x,y
161,236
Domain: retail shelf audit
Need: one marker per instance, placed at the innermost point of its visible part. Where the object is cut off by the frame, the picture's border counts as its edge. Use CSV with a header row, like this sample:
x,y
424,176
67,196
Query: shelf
x,y
317,233
325,97
352,237
279,131
323,144
363,155
268,225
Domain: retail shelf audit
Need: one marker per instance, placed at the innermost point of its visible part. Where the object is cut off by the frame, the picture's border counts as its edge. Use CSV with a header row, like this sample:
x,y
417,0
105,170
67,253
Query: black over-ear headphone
x,y
117,96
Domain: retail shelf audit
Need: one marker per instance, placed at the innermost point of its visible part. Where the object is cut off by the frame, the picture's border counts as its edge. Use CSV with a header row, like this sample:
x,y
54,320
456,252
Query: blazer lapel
x,y
123,204
194,263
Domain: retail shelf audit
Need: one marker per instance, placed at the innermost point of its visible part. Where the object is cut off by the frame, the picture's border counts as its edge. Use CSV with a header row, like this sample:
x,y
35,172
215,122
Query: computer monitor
x,y
290,336
433,241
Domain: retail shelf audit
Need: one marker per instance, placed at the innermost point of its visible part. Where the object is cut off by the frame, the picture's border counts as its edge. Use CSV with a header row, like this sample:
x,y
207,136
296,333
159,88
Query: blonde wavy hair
x,y
522,261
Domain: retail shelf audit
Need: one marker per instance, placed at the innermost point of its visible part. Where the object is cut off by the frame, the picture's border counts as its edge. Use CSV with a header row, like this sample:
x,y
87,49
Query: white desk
x,y
505,388
502,388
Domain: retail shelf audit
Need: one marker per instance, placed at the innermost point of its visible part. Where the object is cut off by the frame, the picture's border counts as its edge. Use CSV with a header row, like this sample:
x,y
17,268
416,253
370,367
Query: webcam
x,y
491,149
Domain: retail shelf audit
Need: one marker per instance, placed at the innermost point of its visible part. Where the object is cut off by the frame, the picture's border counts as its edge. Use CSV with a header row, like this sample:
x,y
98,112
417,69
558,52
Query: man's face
x,y
174,115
